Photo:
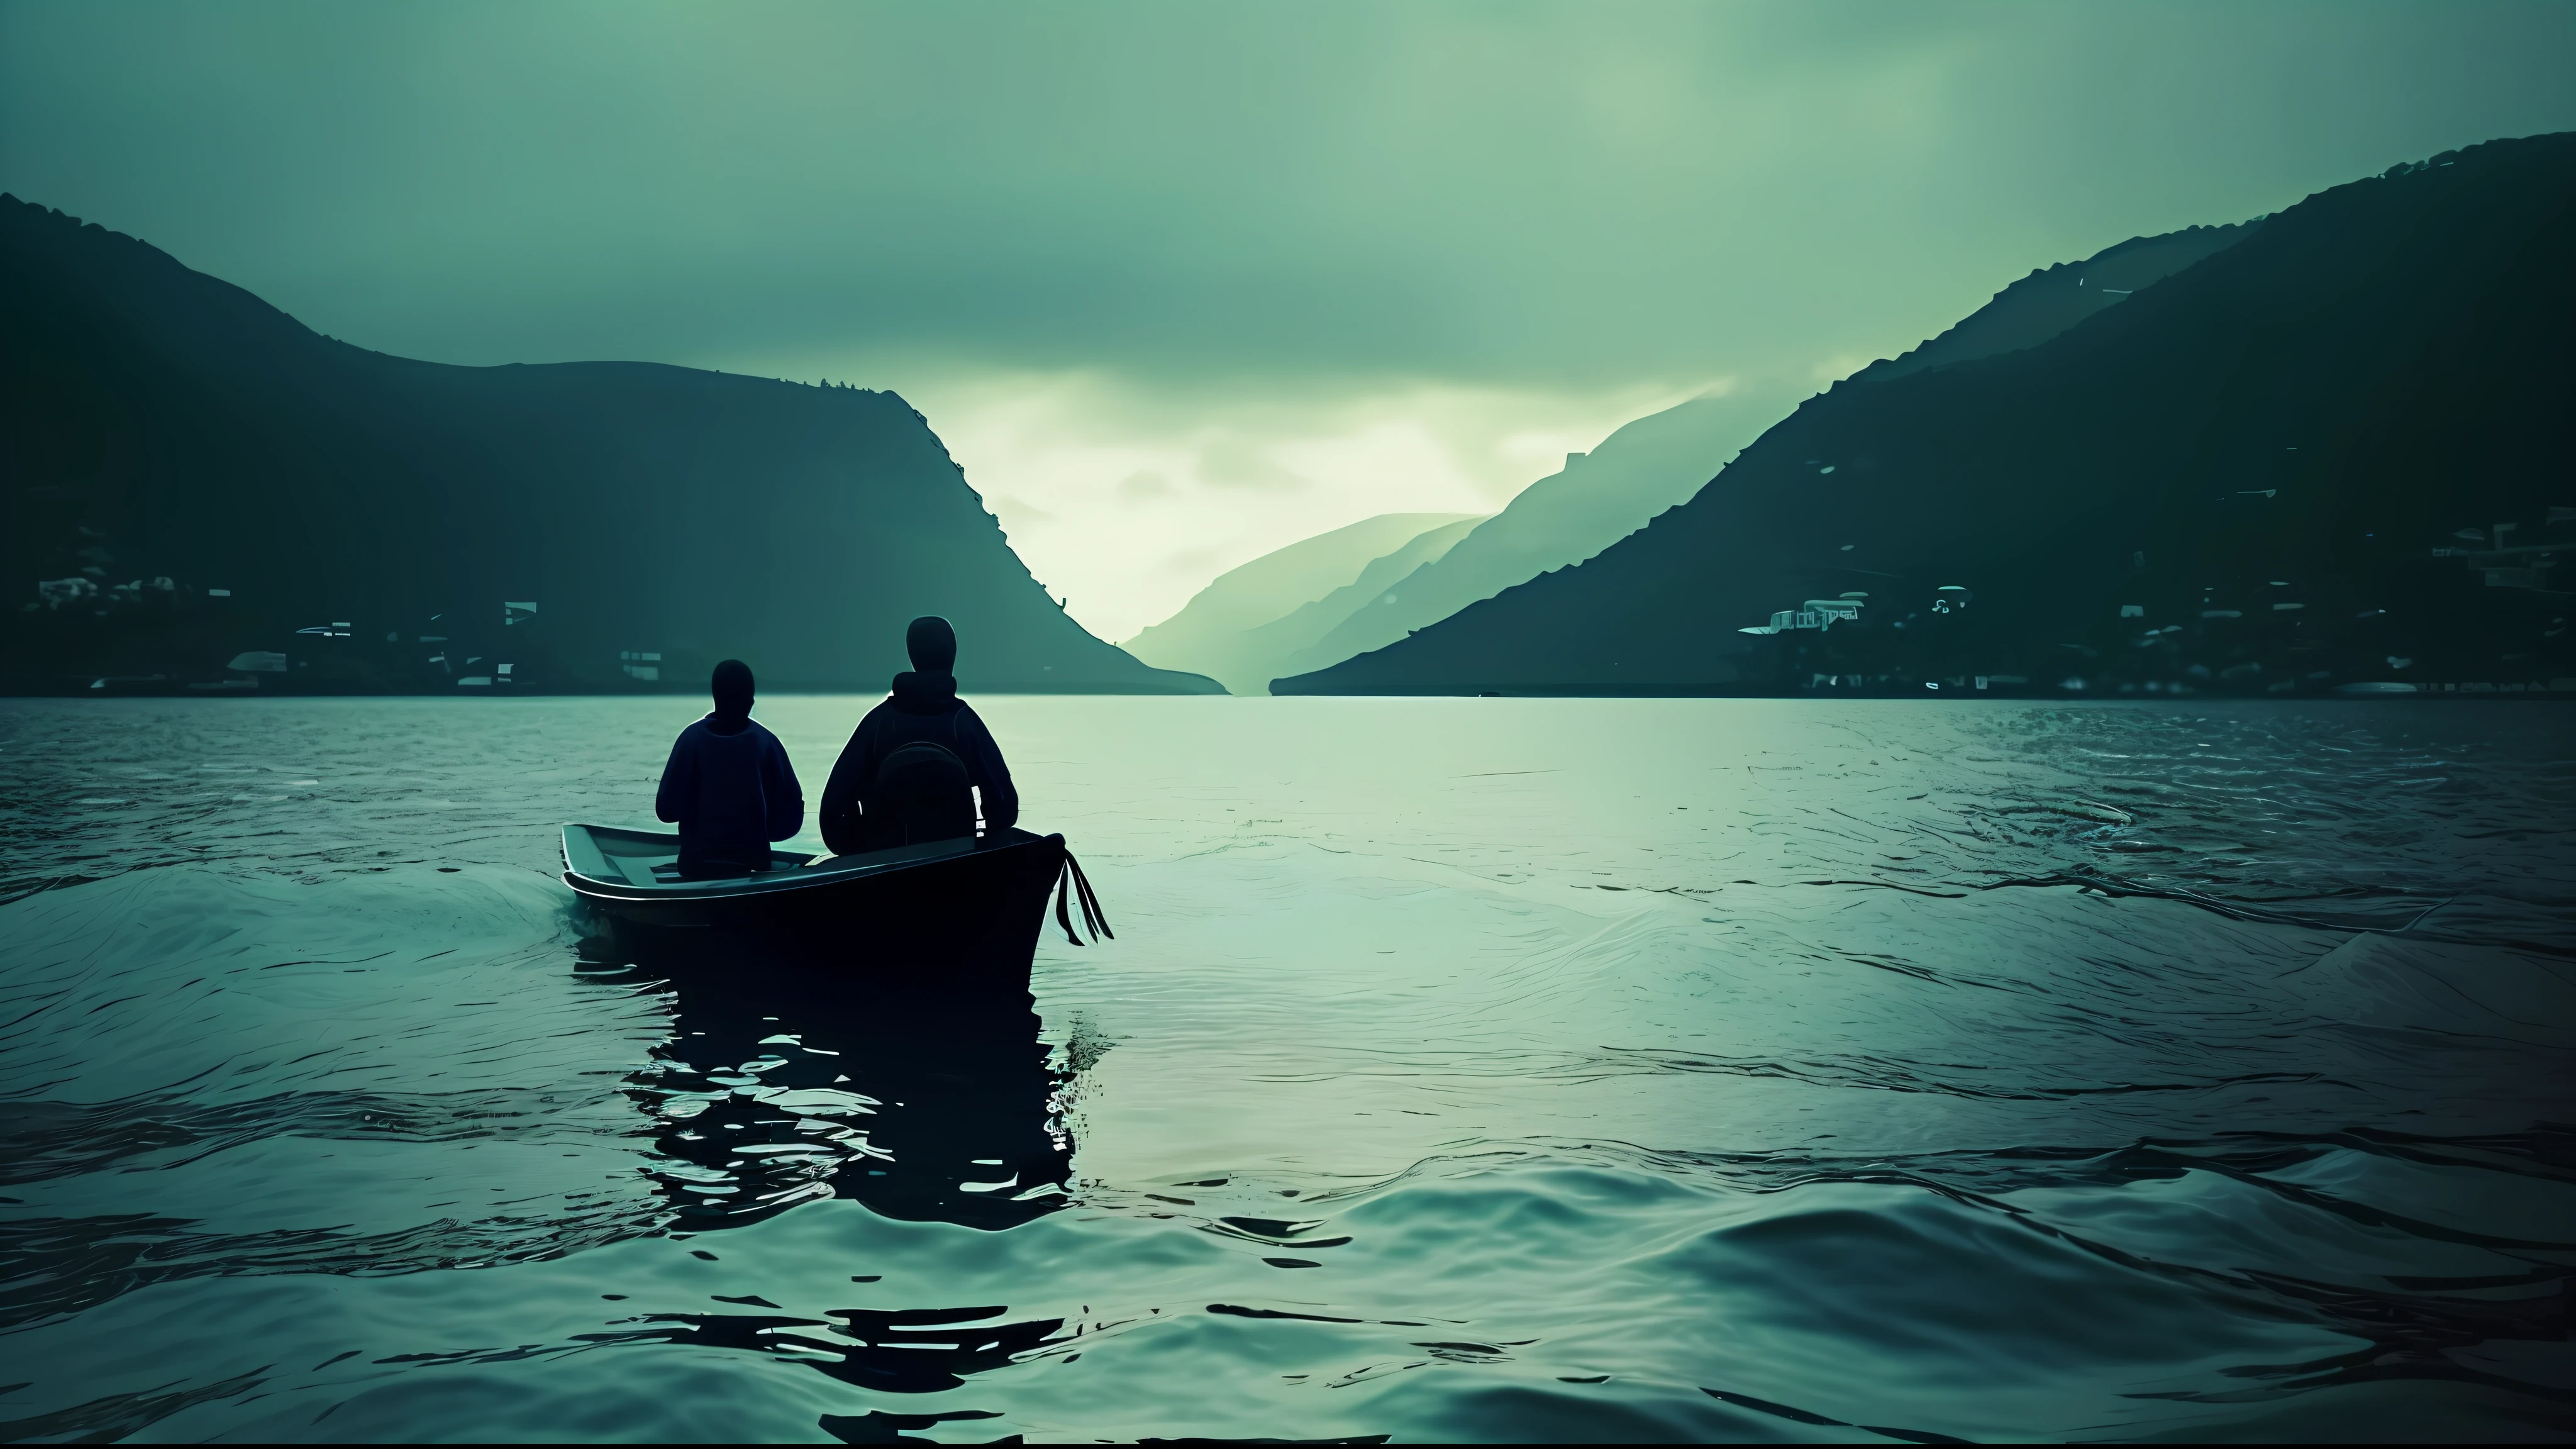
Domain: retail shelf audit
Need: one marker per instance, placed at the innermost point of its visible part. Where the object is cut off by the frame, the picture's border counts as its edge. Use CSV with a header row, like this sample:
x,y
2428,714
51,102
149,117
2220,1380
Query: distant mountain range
x,y
1639,471
1564,518
200,490
2325,452
1433,571
1212,634
1290,642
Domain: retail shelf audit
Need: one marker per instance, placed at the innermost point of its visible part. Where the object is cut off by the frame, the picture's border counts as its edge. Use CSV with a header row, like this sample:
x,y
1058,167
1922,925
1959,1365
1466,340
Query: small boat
x,y
945,918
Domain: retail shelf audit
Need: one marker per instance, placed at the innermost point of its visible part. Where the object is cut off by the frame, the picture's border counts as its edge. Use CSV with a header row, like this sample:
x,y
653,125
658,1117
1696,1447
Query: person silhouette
x,y
728,785
906,775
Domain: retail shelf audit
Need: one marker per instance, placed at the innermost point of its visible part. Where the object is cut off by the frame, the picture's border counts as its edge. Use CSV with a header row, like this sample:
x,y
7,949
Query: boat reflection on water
x,y
779,1085
783,1083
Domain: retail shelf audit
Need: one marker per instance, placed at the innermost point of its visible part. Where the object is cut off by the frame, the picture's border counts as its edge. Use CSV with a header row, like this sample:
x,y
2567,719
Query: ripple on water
x,y
1777,1071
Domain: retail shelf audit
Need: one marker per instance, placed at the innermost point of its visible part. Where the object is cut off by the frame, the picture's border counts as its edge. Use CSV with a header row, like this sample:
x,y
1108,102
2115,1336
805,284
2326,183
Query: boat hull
x,y
958,923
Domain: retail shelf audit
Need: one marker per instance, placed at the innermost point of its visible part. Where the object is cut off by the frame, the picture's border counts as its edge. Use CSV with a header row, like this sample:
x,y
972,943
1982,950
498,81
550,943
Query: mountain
x,y
1258,656
1663,459
2329,455
196,480
1203,636
2052,299
1564,518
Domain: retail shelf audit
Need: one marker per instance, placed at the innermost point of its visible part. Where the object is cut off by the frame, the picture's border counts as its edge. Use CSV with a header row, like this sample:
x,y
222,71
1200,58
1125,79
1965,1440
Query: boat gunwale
x,y
806,877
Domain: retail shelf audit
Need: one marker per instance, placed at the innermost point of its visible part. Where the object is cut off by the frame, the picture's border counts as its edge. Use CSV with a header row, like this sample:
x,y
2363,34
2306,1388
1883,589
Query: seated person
x,y
904,776
729,786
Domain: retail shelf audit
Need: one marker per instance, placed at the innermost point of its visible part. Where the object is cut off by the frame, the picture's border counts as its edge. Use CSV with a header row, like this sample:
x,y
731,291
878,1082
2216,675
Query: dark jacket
x,y
731,794
922,707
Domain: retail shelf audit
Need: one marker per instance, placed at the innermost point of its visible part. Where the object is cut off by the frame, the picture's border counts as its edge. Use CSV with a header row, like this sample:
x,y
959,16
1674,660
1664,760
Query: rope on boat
x,y
1071,881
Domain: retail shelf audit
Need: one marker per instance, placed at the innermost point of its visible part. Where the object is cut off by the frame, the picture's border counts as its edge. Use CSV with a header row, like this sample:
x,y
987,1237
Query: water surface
x,y
1462,1069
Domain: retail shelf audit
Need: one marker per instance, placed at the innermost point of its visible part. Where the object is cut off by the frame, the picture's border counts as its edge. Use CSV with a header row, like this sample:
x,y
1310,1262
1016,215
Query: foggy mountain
x,y
195,481
1594,501
1204,636
2331,455
1263,654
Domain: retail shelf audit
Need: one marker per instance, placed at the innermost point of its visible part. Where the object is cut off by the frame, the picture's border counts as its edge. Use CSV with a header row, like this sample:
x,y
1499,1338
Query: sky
x,y
1182,283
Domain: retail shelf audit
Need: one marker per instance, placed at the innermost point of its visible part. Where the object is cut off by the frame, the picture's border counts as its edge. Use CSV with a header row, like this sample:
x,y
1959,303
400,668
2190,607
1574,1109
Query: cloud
x,y
1562,196
1234,462
1018,512
1303,263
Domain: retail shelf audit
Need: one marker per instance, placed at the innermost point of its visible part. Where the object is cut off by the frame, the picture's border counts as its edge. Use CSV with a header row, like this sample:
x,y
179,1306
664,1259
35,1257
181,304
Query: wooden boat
x,y
951,917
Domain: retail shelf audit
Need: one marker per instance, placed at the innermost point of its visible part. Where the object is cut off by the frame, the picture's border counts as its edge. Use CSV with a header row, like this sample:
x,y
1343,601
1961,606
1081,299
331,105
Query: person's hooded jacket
x,y
731,790
923,707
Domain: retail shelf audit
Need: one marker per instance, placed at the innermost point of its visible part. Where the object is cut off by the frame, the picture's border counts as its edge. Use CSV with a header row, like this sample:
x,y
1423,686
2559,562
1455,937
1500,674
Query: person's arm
x,y
838,811
1001,799
779,790
679,781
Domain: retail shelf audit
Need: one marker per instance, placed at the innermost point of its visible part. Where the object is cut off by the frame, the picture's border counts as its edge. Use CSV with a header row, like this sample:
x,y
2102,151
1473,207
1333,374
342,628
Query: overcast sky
x,y
1180,283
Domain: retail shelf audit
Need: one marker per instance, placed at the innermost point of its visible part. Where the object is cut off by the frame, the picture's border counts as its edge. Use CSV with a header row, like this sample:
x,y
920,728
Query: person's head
x,y
932,644
732,688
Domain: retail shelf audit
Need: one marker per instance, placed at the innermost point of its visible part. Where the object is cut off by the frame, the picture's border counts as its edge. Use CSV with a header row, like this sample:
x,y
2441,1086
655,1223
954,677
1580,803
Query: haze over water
x,y
1462,1068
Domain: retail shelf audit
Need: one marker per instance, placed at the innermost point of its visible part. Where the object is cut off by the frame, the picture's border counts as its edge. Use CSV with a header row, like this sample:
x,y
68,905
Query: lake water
x,y
1462,1069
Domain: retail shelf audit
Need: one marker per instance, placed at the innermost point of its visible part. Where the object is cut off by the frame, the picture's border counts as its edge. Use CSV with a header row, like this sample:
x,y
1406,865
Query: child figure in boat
x,y
729,786
907,773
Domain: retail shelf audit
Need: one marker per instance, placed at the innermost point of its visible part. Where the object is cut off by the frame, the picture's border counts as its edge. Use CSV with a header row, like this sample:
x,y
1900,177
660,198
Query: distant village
x,y
160,635
2259,638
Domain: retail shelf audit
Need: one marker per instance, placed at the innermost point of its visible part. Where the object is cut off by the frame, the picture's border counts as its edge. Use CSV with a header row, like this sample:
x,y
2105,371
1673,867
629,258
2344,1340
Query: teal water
x,y
1462,1069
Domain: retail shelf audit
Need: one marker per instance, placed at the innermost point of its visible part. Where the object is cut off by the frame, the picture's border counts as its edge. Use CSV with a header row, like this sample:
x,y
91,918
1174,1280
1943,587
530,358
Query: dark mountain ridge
x,y
1658,462
2333,454
194,479
2052,299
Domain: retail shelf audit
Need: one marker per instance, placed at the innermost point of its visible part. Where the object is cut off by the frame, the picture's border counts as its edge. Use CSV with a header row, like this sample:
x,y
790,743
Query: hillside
x,y
197,480
1205,635
2053,299
2330,455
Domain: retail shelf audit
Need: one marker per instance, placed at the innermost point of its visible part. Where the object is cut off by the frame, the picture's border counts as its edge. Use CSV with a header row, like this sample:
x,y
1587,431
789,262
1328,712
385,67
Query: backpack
x,y
921,793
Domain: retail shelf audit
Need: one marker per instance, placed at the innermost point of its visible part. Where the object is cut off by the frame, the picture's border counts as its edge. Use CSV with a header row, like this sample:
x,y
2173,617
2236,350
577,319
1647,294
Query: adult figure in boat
x,y
904,777
728,785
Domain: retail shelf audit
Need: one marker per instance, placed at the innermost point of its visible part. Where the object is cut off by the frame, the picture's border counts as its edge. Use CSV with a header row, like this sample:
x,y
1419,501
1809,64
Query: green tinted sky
x,y
1182,282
